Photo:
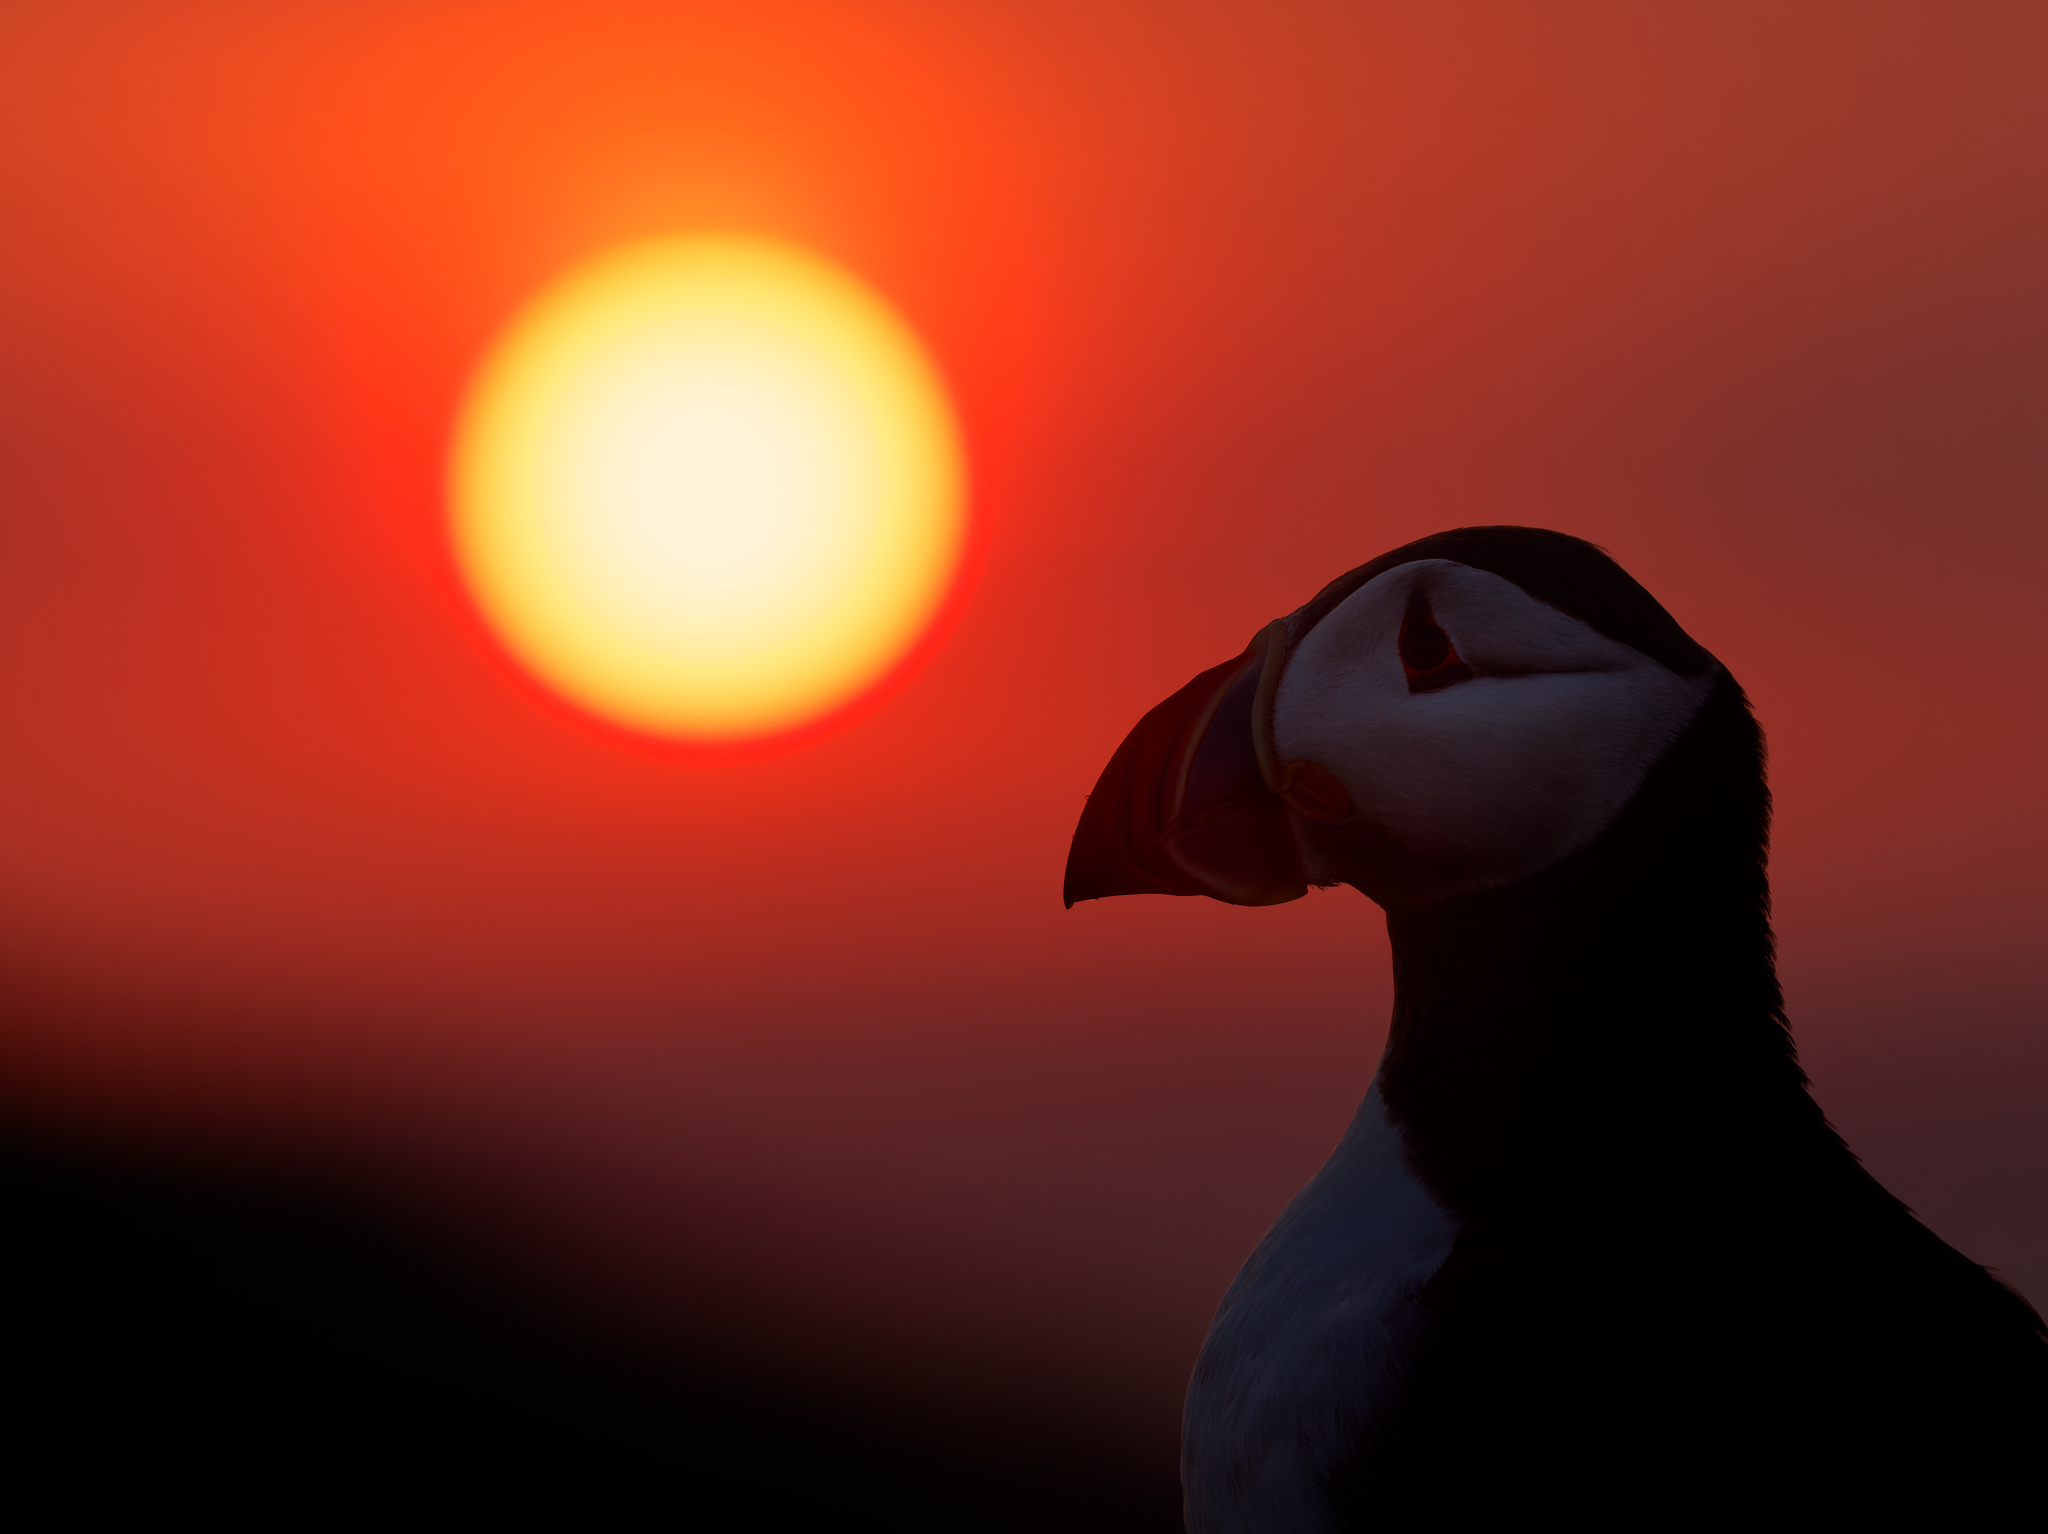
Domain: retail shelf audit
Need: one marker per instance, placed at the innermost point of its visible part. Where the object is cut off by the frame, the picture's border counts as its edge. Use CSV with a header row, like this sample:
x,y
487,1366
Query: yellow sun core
x,y
708,487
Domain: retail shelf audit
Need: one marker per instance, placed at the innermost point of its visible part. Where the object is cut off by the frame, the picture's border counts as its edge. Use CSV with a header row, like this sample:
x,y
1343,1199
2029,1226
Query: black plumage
x,y
1674,1296
1676,1292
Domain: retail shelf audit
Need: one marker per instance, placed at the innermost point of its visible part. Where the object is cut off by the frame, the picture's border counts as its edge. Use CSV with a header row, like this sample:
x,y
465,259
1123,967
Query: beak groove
x,y
1190,803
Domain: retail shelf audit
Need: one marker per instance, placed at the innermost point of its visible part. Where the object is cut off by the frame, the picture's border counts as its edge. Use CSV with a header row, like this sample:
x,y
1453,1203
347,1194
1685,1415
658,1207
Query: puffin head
x,y
1458,714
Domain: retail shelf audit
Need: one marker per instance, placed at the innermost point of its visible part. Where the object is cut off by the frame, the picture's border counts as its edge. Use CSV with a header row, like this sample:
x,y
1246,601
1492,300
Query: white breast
x,y
1311,1345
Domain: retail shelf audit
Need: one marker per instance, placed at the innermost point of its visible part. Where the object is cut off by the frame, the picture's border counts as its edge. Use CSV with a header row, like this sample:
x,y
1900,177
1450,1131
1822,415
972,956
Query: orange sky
x,y
1232,298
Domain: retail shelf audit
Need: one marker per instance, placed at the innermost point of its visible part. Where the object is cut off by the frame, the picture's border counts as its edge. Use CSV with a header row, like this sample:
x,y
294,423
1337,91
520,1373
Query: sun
x,y
708,487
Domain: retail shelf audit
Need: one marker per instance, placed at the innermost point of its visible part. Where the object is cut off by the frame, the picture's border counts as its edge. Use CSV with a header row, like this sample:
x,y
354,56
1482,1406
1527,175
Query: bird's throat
x,y
1615,1000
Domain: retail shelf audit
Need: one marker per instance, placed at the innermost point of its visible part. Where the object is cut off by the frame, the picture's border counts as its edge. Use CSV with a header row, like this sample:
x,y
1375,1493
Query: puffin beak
x,y
1190,804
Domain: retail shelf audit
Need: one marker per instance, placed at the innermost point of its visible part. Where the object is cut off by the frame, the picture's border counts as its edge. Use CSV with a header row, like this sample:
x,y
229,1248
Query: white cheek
x,y
1490,779
1505,775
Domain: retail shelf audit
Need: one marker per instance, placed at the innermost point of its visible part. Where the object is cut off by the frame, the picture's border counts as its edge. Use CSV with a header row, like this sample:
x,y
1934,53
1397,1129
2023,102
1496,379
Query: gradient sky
x,y
797,1061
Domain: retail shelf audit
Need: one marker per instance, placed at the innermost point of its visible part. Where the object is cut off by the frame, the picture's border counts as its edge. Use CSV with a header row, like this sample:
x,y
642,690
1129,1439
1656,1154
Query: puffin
x,y
1589,1249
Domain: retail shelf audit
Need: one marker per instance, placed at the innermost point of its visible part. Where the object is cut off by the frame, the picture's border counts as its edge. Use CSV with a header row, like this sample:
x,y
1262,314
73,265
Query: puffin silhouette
x,y
1589,1249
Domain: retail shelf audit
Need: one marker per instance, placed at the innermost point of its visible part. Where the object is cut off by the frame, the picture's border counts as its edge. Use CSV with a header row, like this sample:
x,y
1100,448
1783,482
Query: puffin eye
x,y
1428,657
1424,647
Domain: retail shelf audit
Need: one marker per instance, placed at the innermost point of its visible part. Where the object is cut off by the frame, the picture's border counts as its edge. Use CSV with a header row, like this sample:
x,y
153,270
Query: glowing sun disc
x,y
707,487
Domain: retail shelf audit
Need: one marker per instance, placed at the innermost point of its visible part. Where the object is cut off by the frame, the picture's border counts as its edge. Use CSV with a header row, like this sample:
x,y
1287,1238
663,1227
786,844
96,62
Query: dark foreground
x,y
188,1341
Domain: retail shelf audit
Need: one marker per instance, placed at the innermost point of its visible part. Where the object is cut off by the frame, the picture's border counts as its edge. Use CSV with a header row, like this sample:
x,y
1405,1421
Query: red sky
x,y
1233,297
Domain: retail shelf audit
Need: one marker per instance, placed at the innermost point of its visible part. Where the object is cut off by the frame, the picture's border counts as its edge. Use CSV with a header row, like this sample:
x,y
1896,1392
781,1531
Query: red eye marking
x,y
1428,657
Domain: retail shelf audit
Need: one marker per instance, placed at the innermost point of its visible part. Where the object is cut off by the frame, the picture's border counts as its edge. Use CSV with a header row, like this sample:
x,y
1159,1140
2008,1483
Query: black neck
x,y
1615,1021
